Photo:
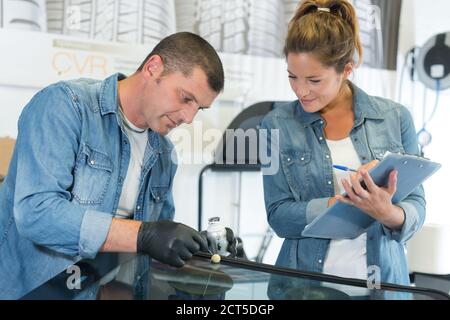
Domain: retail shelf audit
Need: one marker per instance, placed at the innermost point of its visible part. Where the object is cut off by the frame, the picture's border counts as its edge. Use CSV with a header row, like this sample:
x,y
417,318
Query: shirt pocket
x,y
297,170
92,176
158,194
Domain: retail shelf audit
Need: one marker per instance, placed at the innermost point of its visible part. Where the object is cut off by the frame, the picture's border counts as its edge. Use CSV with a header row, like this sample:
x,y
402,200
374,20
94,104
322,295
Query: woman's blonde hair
x,y
328,29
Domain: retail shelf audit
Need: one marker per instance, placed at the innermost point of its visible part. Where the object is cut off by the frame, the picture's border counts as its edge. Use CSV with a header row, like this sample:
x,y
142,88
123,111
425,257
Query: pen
x,y
343,168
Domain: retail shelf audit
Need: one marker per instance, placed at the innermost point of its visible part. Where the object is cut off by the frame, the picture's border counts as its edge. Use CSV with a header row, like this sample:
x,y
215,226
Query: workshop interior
x,y
220,154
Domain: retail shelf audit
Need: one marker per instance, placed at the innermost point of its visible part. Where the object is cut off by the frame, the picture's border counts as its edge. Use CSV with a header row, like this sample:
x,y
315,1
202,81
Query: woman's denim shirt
x,y
299,190
65,181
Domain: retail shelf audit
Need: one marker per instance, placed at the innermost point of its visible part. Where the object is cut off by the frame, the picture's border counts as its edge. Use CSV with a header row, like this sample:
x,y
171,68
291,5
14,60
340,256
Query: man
x,y
91,153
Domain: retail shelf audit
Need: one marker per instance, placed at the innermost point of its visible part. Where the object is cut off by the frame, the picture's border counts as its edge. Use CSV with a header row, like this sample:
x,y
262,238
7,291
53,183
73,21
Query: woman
x,y
336,123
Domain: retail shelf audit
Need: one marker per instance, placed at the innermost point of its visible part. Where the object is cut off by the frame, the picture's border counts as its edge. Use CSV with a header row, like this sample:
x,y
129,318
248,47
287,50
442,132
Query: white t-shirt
x,y
130,189
345,258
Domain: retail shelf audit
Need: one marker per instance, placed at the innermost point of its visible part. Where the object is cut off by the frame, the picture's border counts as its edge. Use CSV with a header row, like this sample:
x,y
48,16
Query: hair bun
x,y
338,38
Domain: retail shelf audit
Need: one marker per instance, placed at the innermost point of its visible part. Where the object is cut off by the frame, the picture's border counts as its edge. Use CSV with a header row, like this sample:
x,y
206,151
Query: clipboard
x,y
343,221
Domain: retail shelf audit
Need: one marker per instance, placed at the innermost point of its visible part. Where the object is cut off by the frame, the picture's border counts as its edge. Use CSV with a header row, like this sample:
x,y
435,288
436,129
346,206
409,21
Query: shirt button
x,y
321,121
327,156
320,261
138,207
157,198
288,159
320,138
92,162
329,182
303,159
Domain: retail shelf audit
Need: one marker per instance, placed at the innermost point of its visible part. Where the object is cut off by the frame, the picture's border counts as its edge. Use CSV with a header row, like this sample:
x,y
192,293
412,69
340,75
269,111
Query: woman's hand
x,y
331,201
366,167
375,201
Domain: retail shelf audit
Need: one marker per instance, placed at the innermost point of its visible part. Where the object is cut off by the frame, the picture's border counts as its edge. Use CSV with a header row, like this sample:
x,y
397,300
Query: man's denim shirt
x,y
65,181
299,191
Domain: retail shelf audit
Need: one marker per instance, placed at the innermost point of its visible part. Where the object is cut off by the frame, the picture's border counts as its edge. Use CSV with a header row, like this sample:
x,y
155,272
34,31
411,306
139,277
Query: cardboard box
x,y
6,150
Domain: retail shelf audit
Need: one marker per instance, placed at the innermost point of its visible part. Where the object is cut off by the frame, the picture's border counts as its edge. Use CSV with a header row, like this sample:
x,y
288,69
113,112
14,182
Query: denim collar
x,y
108,94
109,103
363,107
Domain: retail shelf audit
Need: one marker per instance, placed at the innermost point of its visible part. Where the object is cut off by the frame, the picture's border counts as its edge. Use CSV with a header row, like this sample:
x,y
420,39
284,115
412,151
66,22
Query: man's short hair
x,y
183,51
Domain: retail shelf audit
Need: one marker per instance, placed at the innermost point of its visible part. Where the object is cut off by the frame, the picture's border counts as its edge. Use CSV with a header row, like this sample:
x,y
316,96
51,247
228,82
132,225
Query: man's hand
x,y
169,242
232,243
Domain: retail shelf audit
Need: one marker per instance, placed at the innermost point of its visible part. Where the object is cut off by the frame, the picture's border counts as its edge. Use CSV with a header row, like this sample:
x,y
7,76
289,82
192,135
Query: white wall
x,y
420,21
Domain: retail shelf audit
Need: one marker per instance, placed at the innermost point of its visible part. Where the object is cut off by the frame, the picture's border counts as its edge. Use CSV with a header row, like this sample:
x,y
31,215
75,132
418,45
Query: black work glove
x,y
169,242
232,243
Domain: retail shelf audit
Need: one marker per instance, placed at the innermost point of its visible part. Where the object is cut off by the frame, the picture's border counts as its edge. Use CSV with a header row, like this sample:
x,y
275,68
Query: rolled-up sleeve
x,y
412,223
414,204
93,232
47,144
